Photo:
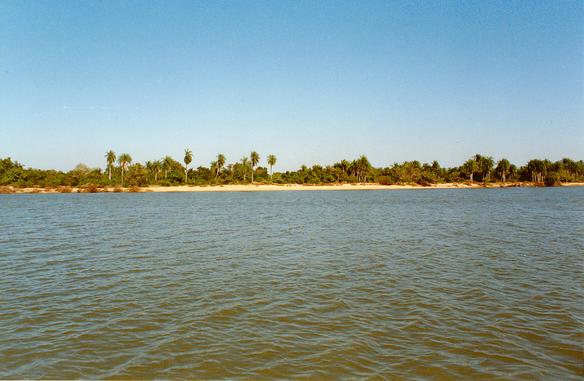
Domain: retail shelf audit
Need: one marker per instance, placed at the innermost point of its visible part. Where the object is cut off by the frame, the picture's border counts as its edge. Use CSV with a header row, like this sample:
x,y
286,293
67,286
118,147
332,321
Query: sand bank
x,y
271,187
295,187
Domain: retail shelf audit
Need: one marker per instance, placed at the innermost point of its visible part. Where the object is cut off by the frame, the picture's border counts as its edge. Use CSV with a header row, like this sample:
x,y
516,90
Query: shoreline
x,y
266,188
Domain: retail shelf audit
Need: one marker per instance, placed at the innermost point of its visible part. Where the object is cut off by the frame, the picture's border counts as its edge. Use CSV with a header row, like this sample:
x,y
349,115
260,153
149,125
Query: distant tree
x,y
110,157
271,162
137,175
150,166
254,160
187,159
502,169
124,160
484,166
488,165
513,171
570,166
537,169
167,164
77,174
362,168
219,164
244,164
154,167
213,168
344,165
469,168
157,167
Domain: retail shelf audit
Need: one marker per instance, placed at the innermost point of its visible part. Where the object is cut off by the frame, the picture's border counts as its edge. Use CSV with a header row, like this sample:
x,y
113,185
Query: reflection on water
x,y
418,284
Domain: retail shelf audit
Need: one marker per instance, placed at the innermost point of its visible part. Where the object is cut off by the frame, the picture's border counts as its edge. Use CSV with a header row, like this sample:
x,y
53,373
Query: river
x,y
416,284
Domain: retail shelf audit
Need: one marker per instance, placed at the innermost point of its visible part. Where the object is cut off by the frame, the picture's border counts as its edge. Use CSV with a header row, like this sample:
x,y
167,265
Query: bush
x,y
134,189
64,189
552,180
118,190
424,183
89,188
164,183
384,180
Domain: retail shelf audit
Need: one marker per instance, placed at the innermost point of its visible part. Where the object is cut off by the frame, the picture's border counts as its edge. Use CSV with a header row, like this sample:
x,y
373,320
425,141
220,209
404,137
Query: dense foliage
x,y
119,171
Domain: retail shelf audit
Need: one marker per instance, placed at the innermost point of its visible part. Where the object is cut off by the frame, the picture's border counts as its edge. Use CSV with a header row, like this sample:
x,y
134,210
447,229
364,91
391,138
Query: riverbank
x,y
264,188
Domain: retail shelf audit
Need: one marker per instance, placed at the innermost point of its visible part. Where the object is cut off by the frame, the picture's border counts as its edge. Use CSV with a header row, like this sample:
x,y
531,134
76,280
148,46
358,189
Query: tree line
x,y
120,170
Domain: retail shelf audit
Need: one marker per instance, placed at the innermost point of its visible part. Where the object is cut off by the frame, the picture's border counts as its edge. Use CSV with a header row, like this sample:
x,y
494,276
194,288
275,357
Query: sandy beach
x,y
267,188
296,187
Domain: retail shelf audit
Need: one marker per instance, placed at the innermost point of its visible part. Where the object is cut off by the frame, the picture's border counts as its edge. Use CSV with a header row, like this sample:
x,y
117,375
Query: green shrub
x,y
384,180
89,188
552,180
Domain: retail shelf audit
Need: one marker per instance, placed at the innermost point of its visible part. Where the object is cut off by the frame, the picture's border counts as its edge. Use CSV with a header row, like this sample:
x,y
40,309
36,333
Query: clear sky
x,y
310,81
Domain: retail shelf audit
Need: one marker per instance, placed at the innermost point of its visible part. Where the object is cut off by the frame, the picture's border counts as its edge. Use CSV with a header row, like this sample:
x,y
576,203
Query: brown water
x,y
425,284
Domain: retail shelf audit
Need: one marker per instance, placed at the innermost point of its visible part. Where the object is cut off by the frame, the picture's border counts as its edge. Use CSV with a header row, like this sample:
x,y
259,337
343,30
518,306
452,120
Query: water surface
x,y
417,284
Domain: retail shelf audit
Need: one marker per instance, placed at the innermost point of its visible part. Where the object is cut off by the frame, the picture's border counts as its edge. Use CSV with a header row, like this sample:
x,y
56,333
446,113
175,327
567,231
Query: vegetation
x,y
110,156
254,160
271,162
478,168
124,161
218,165
187,159
503,169
243,170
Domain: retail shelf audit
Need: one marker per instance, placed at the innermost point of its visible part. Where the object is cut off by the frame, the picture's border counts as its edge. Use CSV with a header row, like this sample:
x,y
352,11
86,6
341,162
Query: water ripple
x,y
464,284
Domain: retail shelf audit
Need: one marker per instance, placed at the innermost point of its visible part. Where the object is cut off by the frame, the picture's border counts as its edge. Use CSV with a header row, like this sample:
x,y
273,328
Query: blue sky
x,y
309,81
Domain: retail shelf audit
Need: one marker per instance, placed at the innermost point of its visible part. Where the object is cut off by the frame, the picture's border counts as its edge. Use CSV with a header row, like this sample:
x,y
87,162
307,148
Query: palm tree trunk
x,y
110,172
122,177
252,174
271,173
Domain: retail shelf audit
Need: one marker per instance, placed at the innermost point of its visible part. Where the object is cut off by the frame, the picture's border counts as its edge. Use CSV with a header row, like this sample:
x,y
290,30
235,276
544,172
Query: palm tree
x,y
150,167
213,167
244,161
219,164
363,167
470,167
157,169
110,156
124,160
537,169
254,160
344,166
154,167
503,167
167,164
188,158
485,165
271,162
571,166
